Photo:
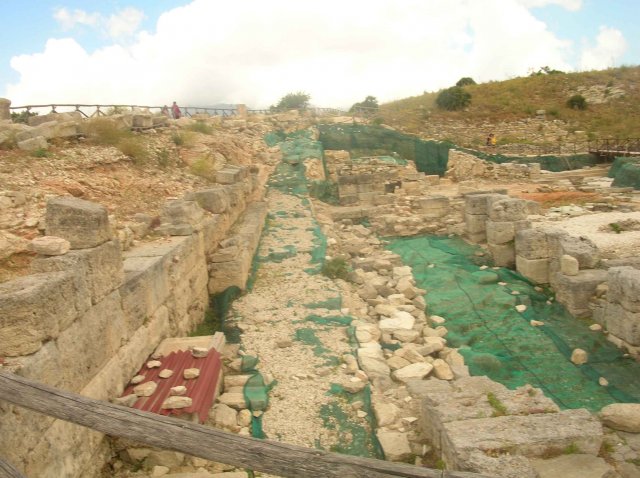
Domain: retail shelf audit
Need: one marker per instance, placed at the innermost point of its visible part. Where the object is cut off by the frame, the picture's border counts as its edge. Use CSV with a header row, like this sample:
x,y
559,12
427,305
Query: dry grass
x,y
520,98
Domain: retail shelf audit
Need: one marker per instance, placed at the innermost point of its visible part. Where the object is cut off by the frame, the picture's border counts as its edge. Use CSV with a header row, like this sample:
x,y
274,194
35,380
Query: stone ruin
x,y
96,305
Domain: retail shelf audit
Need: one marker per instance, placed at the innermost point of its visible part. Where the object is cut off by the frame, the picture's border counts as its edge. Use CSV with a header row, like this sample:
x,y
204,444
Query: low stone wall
x,y
463,166
570,265
87,319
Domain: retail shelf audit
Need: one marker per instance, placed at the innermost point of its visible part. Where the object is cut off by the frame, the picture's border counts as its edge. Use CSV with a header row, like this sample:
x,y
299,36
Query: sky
x,y
210,52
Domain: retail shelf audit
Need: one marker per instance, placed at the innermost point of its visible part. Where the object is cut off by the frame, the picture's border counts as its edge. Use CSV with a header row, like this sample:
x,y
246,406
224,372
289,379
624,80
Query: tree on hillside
x,y
577,102
369,102
454,98
293,101
465,81
545,70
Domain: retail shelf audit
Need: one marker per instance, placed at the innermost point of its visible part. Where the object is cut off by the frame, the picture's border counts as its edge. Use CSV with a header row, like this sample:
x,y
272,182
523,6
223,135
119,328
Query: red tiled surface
x,y
201,390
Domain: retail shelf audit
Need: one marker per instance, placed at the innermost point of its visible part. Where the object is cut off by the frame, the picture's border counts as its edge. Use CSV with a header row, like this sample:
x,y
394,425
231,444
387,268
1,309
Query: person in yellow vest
x,y
491,139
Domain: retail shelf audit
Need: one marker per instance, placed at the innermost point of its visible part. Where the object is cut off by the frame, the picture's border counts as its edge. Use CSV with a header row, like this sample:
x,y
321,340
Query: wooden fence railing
x,y
89,111
174,434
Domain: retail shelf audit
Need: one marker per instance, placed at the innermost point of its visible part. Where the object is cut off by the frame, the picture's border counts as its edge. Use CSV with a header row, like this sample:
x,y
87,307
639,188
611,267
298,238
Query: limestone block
x,y
178,212
228,175
141,121
399,320
395,445
477,203
531,244
214,200
579,356
65,129
573,466
530,435
500,232
508,210
622,323
93,338
373,363
569,265
582,248
413,371
435,205
624,287
574,292
32,144
476,237
475,223
99,267
50,245
84,224
536,270
35,308
74,116
504,255
622,416
5,112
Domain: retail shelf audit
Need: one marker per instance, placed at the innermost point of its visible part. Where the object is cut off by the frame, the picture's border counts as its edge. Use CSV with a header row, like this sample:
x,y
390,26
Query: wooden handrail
x,y
281,459
8,471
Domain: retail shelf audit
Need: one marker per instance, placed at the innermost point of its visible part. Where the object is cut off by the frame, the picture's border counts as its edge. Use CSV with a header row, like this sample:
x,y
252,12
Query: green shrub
x,y
200,127
134,149
22,117
499,409
293,101
369,102
204,168
377,121
40,153
336,268
454,98
465,81
163,157
105,132
577,102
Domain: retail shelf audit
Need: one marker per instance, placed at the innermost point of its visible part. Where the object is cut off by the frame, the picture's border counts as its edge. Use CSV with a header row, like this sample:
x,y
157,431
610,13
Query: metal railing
x,y
610,147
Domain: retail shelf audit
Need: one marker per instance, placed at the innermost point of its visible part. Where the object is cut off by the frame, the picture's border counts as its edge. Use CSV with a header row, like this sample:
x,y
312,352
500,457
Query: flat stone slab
x,y
573,466
528,435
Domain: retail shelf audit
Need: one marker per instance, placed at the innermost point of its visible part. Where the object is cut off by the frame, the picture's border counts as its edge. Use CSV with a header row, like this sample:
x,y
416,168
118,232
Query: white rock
x,y
50,245
436,319
415,371
145,389
190,373
386,413
165,373
536,323
159,470
175,401
569,265
521,308
361,414
399,320
622,416
579,356
137,379
244,418
442,370
154,364
603,381
595,327
395,445
199,352
178,390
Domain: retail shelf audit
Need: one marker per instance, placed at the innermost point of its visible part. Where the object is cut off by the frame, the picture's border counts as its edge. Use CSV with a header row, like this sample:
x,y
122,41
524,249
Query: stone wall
x,y
87,319
463,166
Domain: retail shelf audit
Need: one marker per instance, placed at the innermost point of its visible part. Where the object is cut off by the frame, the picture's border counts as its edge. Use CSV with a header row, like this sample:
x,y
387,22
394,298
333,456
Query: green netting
x,y
215,317
430,157
625,172
498,341
334,303
360,140
355,436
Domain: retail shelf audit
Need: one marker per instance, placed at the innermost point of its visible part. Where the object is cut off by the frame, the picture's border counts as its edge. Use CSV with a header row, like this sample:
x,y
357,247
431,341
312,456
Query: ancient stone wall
x,y
85,320
464,166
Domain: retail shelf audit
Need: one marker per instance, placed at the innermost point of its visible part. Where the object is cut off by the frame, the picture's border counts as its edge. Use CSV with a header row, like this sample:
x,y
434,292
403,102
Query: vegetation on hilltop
x,y
618,115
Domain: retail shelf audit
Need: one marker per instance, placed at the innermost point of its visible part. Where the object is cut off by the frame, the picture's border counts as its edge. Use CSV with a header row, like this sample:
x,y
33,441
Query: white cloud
x,y
571,5
68,19
124,23
610,46
255,52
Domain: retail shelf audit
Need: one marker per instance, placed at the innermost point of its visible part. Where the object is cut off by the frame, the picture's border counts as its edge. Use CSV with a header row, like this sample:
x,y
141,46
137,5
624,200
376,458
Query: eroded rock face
x,y
84,224
622,416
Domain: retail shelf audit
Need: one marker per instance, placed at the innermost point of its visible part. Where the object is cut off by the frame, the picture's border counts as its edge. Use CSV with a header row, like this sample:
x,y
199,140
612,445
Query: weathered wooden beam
x,y
8,471
266,456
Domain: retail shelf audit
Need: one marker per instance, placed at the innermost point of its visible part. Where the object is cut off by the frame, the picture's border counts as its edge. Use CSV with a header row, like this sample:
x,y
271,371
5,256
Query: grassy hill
x,y
613,103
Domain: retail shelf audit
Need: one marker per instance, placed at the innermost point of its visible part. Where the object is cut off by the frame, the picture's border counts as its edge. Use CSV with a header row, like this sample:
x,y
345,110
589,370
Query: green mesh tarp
x,y
625,173
361,140
430,157
499,342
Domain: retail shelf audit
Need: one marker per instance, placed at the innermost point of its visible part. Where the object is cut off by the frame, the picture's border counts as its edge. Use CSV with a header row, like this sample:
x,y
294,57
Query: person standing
x,y
175,110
